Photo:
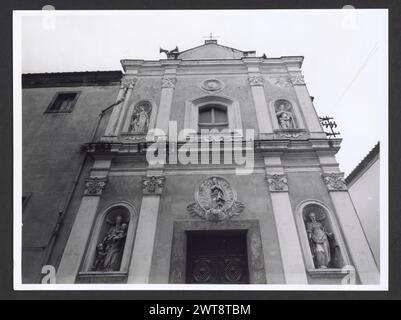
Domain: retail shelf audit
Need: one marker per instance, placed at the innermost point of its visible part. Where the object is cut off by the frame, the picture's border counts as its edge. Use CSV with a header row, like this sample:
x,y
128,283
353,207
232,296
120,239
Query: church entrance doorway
x,y
217,257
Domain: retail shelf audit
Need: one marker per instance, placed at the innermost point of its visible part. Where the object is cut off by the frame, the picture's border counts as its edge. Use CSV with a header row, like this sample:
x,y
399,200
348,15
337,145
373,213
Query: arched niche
x,y
140,118
283,108
192,108
115,228
327,220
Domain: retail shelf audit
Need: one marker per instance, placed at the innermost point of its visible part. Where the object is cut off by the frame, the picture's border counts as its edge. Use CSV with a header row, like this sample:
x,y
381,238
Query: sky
x,y
346,53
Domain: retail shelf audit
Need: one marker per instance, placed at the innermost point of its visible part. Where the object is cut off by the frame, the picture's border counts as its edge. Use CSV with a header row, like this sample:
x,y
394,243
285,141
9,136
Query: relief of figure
x,y
285,118
140,121
319,242
217,195
110,250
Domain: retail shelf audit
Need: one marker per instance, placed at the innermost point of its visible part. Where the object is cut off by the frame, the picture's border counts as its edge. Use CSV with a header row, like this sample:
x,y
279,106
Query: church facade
x,y
208,167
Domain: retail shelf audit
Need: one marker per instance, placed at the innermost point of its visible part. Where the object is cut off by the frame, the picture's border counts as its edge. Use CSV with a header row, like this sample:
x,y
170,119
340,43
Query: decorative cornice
x,y
113,148
298,80
277,182
256,80
71,79
169,82
95,186
334,181
153,185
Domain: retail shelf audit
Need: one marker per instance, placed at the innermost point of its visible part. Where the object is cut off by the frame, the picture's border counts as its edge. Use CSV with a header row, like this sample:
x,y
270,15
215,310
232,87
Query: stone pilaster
x,y
130,83
290,246
75,249
111,132
306,105
256,81
168,84
357,243
141,261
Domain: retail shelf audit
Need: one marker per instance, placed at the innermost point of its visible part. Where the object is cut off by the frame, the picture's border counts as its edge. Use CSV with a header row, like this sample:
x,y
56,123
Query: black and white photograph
x,y
201,150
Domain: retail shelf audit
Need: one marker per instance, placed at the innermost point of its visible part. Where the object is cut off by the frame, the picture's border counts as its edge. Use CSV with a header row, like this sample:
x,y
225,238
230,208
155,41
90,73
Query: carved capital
x,y
334,181
298,80
277,182
128,83
256,80
153,185
169,82
95,186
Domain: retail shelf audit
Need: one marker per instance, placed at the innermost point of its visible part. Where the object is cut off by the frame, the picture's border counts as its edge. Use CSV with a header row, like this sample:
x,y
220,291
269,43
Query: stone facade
x,y
89,165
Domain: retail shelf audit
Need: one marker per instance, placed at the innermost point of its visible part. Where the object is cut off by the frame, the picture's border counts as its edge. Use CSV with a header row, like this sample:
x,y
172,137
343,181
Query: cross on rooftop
x,y
211,37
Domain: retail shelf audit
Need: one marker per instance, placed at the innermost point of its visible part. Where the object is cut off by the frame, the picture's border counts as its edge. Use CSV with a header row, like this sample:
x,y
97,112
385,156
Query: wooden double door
x,y
217,257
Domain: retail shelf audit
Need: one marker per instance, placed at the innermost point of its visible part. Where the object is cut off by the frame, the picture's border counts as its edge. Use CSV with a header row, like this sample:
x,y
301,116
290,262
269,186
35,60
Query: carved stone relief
x,y
291,134
281,82
334,181
298,80
169,82
256,80
277,182
212,85
153,185
129,83
95,186
216,200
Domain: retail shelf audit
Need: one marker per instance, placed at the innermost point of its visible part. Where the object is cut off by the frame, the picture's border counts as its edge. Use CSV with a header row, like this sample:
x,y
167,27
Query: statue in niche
x,y
319,242
100,256
217,195
284,116
140,119
109,251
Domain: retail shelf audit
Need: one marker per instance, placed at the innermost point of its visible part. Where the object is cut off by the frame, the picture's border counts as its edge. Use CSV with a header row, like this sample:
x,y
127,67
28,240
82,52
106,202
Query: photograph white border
x,y
17,142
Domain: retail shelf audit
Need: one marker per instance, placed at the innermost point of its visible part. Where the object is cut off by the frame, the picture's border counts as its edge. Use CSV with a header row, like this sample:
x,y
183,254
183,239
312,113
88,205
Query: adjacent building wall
x,y
364,188
52,157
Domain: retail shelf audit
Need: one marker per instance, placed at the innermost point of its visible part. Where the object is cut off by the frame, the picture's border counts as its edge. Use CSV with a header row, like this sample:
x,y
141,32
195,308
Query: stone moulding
x,y
290,133
346,275
102,278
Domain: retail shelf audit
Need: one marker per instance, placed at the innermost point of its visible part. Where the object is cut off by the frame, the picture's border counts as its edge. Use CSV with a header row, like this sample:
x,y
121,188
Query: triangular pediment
x,y
211,51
